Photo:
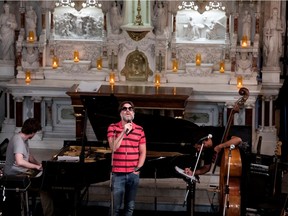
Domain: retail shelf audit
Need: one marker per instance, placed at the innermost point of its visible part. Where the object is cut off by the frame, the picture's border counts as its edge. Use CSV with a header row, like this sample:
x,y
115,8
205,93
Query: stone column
x,y
37,107
52,22
236,23
248,115
43,19
19,110
48,113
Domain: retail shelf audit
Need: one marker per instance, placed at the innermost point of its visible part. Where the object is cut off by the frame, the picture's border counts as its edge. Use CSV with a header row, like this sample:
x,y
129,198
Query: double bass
x,y
231,167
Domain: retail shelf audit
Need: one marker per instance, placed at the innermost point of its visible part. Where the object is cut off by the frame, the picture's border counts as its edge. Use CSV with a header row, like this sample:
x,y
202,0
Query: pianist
x,y
19,161
128,144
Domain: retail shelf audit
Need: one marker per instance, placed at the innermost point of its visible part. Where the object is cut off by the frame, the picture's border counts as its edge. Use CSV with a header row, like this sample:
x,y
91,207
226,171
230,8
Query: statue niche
x,y
136,67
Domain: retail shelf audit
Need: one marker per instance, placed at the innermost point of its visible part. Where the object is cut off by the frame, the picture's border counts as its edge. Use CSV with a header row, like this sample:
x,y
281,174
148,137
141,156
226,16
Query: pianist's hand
x,y
188,171
39,167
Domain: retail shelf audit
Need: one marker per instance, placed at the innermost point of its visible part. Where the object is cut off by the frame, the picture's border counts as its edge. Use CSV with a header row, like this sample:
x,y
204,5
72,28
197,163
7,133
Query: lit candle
x,y
222,67
157,79
31,36
27,77
76,56
99,63
239,81
55,62
112,88
198,59
244,42
175,65
112,78
174,90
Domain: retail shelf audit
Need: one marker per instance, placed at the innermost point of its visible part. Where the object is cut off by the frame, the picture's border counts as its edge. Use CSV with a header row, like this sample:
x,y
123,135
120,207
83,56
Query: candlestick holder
x,y
76,56
99,63
222,67
55,62
198,59
175,65
239,81
31,37
112,78
28,77
157,79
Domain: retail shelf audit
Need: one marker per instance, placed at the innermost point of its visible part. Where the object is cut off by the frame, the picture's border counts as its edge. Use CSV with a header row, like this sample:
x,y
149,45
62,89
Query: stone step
x,y
165,195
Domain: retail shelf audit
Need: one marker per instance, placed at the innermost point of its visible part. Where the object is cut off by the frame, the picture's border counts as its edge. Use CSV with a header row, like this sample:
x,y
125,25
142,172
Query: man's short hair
x,y
30,126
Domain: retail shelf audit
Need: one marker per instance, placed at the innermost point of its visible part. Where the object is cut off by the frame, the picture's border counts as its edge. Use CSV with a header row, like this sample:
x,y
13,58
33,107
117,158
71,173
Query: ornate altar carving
x,y
136,67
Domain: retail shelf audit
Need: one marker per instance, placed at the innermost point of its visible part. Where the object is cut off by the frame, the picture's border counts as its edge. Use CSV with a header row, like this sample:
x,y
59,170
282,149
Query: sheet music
x,y
88,86
181,171
69,158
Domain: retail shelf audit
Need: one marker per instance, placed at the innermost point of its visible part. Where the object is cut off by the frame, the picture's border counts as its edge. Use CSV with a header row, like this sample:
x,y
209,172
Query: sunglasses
x,y
127,108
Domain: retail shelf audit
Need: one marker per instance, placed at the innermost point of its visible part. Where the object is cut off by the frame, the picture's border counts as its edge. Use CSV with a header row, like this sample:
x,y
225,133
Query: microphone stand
x,y
191,184
111,173
226,202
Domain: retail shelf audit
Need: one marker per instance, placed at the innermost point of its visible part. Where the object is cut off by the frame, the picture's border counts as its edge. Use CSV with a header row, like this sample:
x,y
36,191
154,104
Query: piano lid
x,y
102,110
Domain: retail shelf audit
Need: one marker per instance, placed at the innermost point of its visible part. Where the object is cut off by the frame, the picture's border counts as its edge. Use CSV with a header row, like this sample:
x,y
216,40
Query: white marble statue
x,y
193,30
160,18
7,33
30,21
30,58
246,24
116,18
273,31
244,64
211,32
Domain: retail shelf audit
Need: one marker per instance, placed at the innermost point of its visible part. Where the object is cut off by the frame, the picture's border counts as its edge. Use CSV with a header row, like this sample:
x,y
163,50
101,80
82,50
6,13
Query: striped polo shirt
x,y
126,157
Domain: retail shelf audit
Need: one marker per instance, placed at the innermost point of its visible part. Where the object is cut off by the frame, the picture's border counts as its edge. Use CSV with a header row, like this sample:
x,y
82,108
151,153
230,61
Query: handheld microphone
x,y
127,130
205,138
232,147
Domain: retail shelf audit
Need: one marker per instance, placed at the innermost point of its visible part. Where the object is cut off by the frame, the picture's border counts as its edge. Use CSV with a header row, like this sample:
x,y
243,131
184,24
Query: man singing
x,y
128,143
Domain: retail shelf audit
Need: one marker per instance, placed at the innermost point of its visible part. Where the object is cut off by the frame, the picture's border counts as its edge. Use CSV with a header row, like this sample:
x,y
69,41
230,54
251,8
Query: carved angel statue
x,y
160,18
116,18
246,24
273,31
30,20
8,25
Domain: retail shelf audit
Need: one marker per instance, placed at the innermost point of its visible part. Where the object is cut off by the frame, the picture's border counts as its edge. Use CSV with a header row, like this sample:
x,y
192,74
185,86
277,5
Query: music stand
x,y
191,180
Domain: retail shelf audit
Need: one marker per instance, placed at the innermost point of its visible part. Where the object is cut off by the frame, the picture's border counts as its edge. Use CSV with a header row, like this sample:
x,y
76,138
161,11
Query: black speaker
x,y
259,188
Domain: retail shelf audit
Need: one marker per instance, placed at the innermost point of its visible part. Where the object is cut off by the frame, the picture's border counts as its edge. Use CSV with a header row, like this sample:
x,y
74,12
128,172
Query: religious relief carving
x,y
30,58
76,26
71,67
136,67
244,64
197,27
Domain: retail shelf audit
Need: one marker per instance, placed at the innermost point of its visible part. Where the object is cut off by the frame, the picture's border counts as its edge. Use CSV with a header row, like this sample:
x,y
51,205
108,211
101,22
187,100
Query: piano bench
x,y
14,190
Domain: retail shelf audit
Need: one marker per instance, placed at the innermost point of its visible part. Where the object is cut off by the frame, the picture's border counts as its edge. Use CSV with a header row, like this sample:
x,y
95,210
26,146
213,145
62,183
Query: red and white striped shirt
x,y
126,157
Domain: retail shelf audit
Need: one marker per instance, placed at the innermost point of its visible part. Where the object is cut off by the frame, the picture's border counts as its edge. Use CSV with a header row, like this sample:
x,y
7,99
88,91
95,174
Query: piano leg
x,y
155,191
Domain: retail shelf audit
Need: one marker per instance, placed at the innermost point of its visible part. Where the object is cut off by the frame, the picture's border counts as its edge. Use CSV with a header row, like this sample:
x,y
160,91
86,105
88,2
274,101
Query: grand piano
x,y
82,162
